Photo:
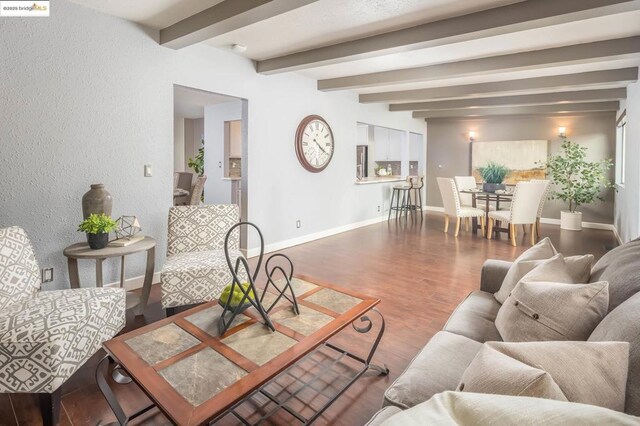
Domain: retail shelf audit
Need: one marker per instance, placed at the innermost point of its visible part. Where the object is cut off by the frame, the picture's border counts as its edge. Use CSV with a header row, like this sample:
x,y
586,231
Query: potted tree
x,y
97,227
493,175
577,181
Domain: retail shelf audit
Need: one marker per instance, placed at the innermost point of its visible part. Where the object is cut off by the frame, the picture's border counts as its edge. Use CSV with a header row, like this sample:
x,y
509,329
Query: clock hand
x,y
321,148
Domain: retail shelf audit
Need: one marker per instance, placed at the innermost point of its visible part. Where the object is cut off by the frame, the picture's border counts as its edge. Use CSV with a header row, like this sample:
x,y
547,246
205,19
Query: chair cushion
x,y
476,409
46,338
471,212
552,311
619,268
542,250
504,215
623,325
586,372
437,367
189,278
382,415
19,271
475,318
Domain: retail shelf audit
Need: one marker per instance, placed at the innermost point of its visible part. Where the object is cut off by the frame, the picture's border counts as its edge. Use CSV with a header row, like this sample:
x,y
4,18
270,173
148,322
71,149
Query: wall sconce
x,y
562,132
472,136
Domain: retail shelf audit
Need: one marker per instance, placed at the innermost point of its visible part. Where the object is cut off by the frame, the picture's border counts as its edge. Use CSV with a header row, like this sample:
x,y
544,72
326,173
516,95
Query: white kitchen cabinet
x,y
396,140
381,138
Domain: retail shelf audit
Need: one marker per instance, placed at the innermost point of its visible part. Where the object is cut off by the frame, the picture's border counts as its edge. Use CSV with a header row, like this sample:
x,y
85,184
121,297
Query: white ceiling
x,y
190,103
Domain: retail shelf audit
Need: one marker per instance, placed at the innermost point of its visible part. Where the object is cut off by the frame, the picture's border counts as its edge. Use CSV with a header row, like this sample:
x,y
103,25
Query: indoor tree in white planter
x,y
577,181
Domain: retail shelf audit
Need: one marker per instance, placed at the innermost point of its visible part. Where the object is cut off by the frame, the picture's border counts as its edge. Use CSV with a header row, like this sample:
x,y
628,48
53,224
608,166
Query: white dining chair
x,y
453,208
542,200
464,183
523,211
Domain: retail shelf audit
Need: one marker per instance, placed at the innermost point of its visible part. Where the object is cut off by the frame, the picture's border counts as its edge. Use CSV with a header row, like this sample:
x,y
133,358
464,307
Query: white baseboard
x,y
315,236
617,234
135,282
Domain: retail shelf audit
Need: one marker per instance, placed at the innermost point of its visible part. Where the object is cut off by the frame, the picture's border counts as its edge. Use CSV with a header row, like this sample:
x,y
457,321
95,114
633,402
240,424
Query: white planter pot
x,y
571,221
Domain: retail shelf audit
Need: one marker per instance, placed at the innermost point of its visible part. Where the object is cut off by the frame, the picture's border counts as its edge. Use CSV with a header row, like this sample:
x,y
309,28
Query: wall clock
x,y
314,143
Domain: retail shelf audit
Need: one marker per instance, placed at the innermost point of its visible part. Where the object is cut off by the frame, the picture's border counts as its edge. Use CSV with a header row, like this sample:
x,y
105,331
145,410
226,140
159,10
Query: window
x,y
621,148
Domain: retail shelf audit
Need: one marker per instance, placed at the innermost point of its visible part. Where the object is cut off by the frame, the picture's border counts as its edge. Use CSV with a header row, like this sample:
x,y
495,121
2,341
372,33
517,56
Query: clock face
x,y
314,143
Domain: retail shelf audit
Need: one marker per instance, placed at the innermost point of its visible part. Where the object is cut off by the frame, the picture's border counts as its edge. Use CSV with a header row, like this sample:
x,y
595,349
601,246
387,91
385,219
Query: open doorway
x,y
210,149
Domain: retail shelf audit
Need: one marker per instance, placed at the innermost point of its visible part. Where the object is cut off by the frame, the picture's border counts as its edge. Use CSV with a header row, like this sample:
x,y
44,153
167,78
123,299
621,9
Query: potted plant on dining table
x,y
493,175
577,181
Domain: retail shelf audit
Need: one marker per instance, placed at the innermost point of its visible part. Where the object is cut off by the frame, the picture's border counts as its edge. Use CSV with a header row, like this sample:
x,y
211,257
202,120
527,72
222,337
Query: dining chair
x,y
542,200
464,183
196,191
523,211
184,181
453,208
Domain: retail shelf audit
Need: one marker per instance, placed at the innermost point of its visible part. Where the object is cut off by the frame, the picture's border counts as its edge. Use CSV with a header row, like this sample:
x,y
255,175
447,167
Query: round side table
x,y
83,251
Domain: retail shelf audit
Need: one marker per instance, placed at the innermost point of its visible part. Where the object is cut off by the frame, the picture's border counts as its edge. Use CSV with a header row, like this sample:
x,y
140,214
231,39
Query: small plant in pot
x,y
97,227
577,181
493,175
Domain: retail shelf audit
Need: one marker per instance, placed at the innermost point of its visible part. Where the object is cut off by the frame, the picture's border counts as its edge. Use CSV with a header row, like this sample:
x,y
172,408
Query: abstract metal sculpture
x,y
128,227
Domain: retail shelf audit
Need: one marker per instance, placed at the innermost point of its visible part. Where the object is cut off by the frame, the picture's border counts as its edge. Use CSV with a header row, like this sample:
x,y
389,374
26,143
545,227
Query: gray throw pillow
x,y
538,311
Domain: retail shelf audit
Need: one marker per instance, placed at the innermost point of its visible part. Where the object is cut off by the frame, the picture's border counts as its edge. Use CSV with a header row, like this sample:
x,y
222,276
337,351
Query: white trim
x,y
591,225
135,282
617,234
316,236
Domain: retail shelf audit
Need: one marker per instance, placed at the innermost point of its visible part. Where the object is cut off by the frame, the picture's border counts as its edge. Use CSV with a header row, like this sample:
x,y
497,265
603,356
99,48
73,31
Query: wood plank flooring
x,y
418,272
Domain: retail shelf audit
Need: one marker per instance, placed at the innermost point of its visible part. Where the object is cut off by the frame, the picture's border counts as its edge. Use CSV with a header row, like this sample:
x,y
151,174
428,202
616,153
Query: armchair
x,y
46,336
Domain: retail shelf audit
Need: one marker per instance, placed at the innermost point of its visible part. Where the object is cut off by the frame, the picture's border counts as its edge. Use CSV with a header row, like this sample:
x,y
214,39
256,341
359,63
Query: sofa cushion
x,y
541,251
586,372
475,409
189,278
437,368
46,338
493,372
383,414
19,271
475,317
619,268
623,325
552,311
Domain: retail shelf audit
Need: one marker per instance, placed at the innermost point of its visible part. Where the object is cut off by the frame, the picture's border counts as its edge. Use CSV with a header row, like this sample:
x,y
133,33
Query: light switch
x,y
148,171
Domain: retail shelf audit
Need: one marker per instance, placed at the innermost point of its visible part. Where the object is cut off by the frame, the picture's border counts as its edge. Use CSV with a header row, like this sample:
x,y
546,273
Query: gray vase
x,y
492,187
97,200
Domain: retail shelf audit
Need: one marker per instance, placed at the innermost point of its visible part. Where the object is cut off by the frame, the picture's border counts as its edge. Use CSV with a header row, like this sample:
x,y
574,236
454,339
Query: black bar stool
x,y
401,206
416,184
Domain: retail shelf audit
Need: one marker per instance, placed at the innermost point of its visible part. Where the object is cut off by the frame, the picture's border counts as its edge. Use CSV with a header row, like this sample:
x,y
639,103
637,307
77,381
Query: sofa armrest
x,y
492,274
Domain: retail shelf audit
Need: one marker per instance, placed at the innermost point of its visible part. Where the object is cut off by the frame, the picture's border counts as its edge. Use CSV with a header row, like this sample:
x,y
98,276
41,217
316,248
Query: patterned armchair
x,y
196,269
46,336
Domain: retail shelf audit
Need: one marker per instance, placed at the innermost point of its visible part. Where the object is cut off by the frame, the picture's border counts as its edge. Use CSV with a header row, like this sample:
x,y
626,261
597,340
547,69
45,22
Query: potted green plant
x,y
577,181
197,164
493,175
97,227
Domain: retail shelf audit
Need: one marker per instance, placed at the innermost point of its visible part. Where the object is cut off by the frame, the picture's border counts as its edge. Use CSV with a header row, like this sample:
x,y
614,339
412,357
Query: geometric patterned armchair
x,y
195,270
45,336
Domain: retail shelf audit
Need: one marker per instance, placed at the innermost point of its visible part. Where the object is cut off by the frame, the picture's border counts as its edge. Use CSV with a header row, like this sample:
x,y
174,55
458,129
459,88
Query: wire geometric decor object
x,y
127,227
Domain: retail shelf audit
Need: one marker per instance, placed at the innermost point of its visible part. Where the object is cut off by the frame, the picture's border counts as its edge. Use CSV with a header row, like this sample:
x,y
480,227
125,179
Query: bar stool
x,y
416,183
398,191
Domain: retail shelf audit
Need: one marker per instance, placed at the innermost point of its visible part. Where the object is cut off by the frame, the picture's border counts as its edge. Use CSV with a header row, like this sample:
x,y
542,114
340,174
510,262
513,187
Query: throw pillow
x,y
491,371
552,311
572,269
586,372
541,251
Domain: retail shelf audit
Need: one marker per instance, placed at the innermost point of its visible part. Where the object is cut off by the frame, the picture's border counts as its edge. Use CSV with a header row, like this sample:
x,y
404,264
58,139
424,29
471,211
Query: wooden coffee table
x,y
249,374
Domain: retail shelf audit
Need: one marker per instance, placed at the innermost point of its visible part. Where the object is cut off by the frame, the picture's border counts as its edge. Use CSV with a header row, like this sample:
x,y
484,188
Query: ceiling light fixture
x,y
239,48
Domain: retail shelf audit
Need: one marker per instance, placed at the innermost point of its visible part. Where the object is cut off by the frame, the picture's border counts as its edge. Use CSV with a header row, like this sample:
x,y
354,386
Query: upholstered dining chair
x,y
184,182
542,200
523,211
46,336
452,207
196,270
466,200
196,191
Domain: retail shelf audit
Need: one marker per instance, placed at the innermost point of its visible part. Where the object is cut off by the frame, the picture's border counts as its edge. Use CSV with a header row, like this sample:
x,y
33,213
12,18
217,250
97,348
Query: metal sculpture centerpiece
x,y
128,227
249,291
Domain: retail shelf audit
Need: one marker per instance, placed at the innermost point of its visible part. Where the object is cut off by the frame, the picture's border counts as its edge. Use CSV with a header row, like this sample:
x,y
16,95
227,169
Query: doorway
x,y
210,149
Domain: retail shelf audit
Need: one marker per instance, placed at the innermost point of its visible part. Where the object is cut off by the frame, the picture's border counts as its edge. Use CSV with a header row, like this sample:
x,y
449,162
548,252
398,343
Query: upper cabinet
x,y
235,139
388,144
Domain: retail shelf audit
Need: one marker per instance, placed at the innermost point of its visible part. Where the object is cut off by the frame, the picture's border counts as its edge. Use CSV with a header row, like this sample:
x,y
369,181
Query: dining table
x,y
486,197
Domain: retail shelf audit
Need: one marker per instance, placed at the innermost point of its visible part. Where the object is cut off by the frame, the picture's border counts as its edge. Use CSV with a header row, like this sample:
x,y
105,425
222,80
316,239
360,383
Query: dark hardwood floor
x,y
418,272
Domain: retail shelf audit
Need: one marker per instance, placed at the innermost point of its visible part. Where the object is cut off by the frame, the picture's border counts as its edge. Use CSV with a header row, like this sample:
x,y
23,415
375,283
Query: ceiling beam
x,y
507,19
535,59
222,18
536,99
520,110
621,75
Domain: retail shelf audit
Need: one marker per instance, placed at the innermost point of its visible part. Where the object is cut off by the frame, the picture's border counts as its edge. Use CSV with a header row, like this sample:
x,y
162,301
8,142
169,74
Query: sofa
x,y
439,366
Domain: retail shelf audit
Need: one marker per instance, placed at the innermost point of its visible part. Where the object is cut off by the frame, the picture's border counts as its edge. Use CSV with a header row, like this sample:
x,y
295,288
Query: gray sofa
x,y
440,364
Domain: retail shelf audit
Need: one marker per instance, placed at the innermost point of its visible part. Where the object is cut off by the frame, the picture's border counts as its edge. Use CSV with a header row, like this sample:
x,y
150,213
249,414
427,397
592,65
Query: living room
x,y
88,97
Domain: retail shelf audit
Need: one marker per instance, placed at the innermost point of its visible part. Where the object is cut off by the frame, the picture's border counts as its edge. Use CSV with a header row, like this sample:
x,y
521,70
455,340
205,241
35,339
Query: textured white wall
x,y
89,98
216,190
627,206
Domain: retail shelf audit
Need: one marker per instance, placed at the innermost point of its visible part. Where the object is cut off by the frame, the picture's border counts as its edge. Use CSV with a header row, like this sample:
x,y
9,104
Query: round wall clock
x,y
314,143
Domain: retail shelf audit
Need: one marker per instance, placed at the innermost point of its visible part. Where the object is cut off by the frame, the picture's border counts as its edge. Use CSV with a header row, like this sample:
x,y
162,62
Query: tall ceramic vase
x,y
97,200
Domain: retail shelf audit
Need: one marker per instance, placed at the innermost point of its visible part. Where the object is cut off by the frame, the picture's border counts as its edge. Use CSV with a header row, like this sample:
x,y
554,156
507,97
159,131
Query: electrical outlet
x,y
298,223
47,275
378,208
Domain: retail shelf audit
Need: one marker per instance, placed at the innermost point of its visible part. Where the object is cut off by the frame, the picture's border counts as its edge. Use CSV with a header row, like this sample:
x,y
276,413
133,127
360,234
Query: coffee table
x,y
249,374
